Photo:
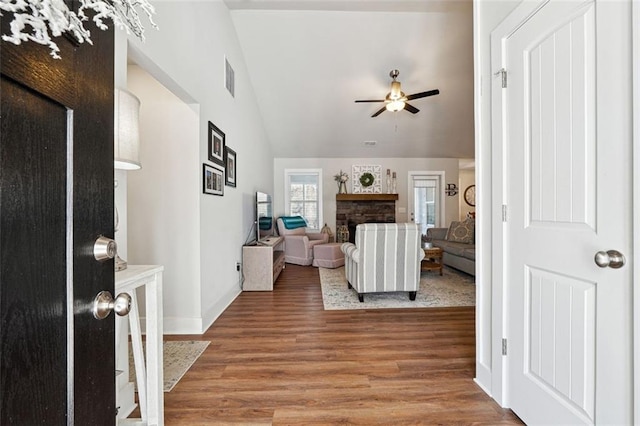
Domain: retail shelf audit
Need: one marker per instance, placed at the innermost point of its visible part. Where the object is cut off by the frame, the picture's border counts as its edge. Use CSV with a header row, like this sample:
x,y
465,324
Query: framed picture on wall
x,y
230,166
216,144
212,179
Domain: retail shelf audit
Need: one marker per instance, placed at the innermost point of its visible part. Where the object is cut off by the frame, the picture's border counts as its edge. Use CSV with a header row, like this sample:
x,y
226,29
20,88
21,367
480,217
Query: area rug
x,y
453,288
178,357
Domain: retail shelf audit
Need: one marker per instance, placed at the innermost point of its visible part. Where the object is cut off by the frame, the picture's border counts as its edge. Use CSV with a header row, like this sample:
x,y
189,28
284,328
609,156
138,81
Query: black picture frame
x,y
212,179
216,144
230,161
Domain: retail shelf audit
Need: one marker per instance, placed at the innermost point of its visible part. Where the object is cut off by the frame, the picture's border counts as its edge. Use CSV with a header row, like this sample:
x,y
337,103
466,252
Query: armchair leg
x,y
349,286
361,297
412,295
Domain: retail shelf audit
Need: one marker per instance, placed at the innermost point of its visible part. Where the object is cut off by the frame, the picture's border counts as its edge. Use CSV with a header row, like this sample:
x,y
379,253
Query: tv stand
x,y
262,264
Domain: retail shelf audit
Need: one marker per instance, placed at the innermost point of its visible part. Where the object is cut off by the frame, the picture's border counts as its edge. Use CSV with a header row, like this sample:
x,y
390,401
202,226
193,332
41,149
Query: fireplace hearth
x,y
354,209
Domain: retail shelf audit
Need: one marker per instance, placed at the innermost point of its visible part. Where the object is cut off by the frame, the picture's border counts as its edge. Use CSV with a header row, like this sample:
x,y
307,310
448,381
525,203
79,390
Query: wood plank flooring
x,y
280,358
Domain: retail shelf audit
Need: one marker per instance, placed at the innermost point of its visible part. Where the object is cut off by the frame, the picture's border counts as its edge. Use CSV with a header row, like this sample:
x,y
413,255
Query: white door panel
x,y
569,196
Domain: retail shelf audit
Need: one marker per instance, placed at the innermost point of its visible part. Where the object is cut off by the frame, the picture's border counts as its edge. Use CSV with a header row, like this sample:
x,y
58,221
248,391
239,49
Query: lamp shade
x,y
126,148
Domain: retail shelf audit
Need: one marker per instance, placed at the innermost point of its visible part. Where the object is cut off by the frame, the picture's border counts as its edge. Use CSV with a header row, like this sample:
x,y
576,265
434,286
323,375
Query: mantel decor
x,y
40,20
367,179
341,178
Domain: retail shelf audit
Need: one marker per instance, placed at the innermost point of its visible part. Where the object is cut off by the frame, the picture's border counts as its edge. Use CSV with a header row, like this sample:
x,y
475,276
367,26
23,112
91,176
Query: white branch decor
x,y
40,20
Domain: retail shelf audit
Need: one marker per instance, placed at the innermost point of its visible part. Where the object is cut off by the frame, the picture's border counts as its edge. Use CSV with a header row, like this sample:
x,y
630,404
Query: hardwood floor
x,y
280,358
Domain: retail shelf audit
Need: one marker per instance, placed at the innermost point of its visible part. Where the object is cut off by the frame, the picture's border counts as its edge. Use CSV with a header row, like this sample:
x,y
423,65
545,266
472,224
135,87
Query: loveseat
x,y
385,257
457,243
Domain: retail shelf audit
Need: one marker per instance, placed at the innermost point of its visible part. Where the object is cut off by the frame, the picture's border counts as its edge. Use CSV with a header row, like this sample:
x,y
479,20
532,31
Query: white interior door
x,y
567,112
426,201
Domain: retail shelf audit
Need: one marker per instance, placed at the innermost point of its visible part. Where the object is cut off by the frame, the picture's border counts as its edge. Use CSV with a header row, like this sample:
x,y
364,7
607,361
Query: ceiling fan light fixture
x,y
396,100
395,106
395,90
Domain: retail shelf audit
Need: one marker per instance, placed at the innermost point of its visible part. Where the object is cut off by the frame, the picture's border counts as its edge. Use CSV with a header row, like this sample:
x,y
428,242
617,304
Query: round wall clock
x,y
470,195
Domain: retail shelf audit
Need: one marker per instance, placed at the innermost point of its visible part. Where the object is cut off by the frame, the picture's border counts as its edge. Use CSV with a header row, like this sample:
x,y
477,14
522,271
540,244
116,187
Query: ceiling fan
x,y
397,100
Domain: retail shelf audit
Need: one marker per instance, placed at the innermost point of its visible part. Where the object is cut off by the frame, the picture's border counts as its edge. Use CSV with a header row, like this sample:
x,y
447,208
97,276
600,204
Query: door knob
x,y
104,303
104,249
611,258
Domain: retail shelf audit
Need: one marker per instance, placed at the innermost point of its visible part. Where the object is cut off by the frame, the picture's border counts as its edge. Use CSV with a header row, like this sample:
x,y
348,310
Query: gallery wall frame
x,y
230,165
216,144
212,179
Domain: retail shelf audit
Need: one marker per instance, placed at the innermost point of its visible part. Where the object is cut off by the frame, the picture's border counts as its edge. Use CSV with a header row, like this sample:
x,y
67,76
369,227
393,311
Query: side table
x,y
149,372
432,259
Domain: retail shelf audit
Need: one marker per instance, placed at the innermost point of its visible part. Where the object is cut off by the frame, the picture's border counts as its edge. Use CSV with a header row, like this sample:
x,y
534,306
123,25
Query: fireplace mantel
x,y
366,197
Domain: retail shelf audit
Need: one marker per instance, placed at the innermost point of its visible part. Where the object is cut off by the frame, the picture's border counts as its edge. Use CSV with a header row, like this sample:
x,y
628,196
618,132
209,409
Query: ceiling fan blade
x,y
410,108
380,111
423,94
381,100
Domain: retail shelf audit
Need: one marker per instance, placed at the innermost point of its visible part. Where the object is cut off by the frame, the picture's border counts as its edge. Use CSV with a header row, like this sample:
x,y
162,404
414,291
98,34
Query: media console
x,y
262,264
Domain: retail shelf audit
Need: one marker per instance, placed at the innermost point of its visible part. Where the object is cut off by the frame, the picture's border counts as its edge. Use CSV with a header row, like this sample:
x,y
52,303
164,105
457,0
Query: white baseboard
x,y
216,310
195,325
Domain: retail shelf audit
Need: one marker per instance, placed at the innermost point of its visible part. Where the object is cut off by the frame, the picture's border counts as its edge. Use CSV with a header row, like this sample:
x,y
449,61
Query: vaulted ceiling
x,y
309,61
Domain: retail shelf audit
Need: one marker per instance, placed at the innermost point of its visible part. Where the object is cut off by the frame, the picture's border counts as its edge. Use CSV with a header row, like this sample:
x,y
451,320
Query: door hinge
x,y
504,212
504,346
503,75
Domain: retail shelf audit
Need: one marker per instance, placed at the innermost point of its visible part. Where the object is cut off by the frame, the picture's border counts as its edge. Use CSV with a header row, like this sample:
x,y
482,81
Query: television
x,y
264,216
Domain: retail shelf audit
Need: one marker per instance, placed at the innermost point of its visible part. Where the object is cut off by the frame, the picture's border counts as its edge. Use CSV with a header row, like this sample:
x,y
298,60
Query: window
x,y
303,195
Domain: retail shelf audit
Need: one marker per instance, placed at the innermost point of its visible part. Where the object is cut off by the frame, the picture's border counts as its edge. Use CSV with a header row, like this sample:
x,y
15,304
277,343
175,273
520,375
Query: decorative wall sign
x,y
367,179
451,189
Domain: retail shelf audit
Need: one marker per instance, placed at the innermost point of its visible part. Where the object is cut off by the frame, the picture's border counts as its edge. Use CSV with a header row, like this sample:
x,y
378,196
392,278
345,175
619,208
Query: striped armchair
x,y
385,257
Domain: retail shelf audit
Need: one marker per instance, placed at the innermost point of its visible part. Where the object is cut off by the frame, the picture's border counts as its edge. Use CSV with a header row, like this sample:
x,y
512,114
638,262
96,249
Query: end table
x,y
432,259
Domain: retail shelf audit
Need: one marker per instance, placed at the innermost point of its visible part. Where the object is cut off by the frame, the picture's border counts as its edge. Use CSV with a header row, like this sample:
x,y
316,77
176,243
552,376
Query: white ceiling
x,y
309,60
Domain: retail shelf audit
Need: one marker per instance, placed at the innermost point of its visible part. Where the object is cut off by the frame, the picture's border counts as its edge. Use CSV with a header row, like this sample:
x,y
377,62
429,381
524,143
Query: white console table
x,y
149,374
262,264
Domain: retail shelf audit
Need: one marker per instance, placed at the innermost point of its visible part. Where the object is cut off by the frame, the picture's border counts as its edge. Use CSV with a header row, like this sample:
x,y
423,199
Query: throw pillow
x,y
461,232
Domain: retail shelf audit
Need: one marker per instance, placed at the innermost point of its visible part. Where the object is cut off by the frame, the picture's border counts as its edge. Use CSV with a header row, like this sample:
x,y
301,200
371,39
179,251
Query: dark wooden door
x,y
56,198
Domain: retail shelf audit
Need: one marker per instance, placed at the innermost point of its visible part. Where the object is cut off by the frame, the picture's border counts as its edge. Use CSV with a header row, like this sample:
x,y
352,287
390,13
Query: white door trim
x,y
635,42
499,198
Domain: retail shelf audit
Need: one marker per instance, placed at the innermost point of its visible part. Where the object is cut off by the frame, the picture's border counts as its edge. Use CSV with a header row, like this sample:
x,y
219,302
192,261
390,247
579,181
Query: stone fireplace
x,y
353,209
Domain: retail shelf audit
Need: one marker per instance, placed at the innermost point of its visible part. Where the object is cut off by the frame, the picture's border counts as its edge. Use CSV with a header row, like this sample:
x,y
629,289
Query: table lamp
x,y
126,143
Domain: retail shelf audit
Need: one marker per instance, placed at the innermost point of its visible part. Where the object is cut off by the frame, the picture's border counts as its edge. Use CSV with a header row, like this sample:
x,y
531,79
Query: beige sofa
x,y
458,245
386,257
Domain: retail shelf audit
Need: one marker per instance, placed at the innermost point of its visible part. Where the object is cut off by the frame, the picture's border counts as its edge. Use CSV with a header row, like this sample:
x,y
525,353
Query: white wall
x,y
164,211
332,166
187,57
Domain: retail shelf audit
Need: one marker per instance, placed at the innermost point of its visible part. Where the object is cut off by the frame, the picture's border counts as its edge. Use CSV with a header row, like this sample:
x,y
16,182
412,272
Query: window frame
x,y
287,185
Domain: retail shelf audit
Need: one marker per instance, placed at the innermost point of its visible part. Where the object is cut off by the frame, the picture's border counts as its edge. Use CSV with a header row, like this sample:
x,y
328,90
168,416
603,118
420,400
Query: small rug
x,y
453,288
178,357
